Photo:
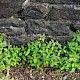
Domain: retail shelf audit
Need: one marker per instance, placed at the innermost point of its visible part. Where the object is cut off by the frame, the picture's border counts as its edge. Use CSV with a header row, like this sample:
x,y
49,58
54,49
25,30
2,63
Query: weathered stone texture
x,y
75,26
35,11
58,1
58,19
10,7
54,28
64,11
57,30
12,27
52,12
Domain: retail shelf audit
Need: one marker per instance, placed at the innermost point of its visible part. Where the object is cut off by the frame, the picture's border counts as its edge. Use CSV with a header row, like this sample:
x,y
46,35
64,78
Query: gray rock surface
x,y
52,11
58,1
75,26
16,26
14,30
54,28
58,19
64,11
35,11
10,7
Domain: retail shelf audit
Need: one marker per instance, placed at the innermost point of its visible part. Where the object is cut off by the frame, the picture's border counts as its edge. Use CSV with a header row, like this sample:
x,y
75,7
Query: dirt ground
x,y
23,73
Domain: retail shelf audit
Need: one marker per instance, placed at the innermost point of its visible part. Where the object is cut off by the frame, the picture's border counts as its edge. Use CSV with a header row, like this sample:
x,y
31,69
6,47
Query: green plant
x,y
74,79
76,37
41,54
51,54
71,51
8,55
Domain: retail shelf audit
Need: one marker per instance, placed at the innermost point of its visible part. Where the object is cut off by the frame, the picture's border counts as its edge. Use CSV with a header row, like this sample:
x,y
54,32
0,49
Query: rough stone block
x,y
64,11
35,11
58,1
51,12
55,28
75,26
12,26
9,7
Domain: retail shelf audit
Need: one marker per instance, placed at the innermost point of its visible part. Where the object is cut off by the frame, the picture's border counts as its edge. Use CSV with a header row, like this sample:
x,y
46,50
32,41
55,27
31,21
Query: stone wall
x,y
24,22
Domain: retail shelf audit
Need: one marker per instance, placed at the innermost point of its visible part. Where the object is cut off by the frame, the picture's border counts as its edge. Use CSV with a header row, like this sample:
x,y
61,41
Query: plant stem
x,y
7,76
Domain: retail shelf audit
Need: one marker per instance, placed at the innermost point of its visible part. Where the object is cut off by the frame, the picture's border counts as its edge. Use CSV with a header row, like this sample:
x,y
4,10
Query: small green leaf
x,y
28,52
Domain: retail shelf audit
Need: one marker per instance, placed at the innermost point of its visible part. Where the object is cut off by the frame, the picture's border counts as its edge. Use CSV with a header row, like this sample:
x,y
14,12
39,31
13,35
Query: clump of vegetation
x,y
41,54
71,52
8,55
51,54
